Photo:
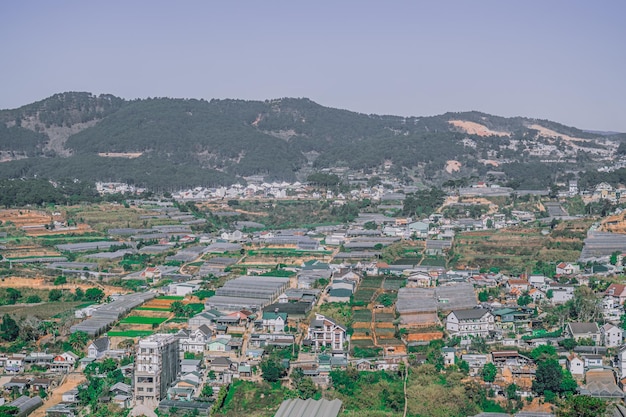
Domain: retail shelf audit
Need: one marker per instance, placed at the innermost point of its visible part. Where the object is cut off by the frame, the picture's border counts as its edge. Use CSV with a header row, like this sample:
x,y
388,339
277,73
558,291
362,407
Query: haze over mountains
x,y
169,143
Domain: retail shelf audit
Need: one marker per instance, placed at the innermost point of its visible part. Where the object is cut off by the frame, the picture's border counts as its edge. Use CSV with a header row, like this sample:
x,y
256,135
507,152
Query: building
x,y
309,408
611,335
580,331
156,366
323,332
473,322
274,322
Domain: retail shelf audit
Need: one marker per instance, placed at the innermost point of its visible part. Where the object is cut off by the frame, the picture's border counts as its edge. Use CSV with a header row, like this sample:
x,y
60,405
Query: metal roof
x,y
309,408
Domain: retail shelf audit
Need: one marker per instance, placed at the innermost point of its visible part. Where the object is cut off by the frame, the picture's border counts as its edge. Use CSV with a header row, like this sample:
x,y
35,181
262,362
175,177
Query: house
x,y
274,322
564,268
70,396
611,335
592,361
616,291
561,293
189,366
517,286
206,318
220,365
14,364
420,280
98,348
449,355
194,341
537,281
470,323
151,273
580,331
218,345
121,388
64,362
419,229
325,333
621,361
576,365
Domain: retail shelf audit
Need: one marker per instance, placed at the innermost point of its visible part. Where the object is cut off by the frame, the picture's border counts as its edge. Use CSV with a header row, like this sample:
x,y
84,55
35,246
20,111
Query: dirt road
x,y
72,381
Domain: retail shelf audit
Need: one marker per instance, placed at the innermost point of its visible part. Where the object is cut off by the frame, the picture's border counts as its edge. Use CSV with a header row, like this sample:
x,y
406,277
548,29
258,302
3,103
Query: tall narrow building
x,y
157,365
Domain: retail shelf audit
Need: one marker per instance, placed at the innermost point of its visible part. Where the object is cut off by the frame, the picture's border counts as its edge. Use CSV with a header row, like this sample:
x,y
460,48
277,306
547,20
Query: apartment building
x,y
157,365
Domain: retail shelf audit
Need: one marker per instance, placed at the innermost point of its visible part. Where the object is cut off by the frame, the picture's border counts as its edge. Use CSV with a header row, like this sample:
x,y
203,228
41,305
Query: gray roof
x,y
309,408
584,328
471,314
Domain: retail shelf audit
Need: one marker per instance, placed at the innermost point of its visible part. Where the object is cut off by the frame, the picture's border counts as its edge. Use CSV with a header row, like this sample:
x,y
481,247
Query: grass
x,y
142,320
151,309
130,333
42,311
171,297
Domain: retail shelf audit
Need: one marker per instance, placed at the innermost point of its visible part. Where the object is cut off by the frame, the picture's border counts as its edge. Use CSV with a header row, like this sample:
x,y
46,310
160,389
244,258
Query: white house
x,y
611,335
580,331
472,322
194,341
98,348
274,322
324,332
576,365
567,268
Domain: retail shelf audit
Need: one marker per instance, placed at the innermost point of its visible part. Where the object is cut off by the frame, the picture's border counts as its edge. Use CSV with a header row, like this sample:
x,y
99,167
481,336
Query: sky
x,y
559,60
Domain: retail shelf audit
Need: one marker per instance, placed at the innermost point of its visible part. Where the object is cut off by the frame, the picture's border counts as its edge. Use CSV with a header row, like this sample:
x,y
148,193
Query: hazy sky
x,y
558,60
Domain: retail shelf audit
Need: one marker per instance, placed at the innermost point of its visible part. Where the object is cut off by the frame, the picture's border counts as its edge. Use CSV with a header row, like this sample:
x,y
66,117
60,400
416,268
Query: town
x,y
190,304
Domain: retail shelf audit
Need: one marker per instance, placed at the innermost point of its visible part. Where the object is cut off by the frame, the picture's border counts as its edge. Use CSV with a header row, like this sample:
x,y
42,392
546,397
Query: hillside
x,y
171,143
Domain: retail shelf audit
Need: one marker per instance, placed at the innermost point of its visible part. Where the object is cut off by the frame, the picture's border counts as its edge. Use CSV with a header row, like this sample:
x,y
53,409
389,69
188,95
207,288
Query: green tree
x,y
548,377
94,294
55,295
489,372
582,406
9,329
60,280
271,369
511,392
78,340
13,295
79,294
524,300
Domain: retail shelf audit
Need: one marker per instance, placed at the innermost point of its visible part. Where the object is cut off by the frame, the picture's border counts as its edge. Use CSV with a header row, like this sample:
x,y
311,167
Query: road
x,y
72,381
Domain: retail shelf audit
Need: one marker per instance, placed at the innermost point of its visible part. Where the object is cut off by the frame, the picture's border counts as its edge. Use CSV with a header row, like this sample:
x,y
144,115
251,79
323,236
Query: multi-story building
x,y
157,365
323,332
473,322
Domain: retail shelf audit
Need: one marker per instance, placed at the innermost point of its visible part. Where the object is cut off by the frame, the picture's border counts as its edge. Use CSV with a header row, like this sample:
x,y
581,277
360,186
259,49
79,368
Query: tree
x,y
33,299
13,295
272,369
94,294
524,300
55,295
548,377
78,340
60,280
543,352
489,372
511,392
79,294
9,329
582,406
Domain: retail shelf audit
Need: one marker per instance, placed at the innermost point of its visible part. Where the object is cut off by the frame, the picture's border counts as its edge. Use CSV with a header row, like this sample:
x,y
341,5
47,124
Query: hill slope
x,y
170,143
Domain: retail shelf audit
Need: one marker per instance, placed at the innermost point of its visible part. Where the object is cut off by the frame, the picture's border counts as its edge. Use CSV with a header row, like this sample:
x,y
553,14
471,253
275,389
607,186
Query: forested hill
x,y
171,143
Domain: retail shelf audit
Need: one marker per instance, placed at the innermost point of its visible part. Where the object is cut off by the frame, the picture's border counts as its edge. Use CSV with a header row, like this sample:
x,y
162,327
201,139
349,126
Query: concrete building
x,y
473,322
156,366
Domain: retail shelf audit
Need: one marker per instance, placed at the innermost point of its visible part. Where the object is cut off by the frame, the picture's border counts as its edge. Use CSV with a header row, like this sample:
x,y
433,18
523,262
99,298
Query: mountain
x,y
166,143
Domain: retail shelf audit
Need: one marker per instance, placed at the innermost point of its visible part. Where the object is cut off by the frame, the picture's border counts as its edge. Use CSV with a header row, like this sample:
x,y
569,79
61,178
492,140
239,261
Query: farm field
x,y
42,311
518,249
